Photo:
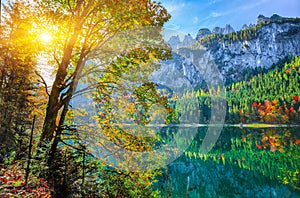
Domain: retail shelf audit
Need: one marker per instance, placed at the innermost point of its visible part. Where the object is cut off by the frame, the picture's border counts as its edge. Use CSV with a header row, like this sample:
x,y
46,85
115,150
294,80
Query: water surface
x,y
247,162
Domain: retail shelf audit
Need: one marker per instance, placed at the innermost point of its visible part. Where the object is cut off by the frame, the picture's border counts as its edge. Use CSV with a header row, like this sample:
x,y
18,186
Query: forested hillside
x,y
272,97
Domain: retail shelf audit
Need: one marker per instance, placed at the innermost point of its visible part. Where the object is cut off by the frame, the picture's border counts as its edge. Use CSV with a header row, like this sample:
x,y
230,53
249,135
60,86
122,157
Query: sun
x,y
46,37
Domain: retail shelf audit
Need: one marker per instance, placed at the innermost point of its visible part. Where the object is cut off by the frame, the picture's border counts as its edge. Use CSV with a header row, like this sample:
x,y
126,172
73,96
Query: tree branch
x,y
43,81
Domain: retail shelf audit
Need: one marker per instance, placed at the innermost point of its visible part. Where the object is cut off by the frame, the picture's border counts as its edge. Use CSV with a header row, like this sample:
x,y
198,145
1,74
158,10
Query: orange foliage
x,y
292,111
276,142
258,146
254,104
271,111
241,112
13,184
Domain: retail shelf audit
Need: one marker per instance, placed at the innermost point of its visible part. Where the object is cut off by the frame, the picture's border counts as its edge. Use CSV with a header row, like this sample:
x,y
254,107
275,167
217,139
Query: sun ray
x,y
46,37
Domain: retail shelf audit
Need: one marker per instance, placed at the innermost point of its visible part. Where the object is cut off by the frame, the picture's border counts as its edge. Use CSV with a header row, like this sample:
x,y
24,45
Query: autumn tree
x,y
18,79
79,29
80,49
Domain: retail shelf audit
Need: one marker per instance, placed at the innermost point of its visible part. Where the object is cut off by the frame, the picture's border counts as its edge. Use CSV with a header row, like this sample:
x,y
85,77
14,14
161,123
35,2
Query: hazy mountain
x,y
238,53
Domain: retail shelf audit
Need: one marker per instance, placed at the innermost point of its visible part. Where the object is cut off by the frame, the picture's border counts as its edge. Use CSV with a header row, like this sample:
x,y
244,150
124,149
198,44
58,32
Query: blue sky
x,y
188,16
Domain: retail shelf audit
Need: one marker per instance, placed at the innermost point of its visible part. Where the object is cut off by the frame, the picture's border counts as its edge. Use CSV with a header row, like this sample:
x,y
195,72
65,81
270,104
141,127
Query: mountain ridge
x,y
259,46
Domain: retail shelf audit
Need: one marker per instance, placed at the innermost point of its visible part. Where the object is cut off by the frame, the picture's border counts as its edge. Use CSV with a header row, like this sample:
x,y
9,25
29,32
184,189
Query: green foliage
x,y
18,80
186,107
249,99
114,183
271,152
83,174
79,31
271,97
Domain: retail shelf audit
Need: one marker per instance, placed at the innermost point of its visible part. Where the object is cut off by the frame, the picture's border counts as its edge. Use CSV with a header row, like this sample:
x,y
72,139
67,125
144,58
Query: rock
x,y
203,32
245,27
276,17
261,18
187,41
174,42
226,30
217,30
251,25
272,43
178,68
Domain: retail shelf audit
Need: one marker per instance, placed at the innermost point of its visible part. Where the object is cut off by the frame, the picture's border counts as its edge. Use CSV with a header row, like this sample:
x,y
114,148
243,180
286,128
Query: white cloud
x,y
215,14
211,2
195,20
174,6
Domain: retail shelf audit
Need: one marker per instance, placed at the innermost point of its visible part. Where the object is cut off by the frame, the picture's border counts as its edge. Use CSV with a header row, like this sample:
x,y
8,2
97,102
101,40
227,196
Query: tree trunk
x,y
54,102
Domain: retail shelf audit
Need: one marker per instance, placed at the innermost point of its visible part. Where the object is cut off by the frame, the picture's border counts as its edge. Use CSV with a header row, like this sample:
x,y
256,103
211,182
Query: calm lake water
x,y
247,162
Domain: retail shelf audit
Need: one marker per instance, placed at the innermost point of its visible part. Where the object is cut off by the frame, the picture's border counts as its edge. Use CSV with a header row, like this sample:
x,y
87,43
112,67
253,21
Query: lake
x,y
244,162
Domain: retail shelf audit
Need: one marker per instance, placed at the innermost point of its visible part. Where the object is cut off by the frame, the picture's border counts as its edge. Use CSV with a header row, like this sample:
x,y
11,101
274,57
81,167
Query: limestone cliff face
x,y
226,30
273,43
203,32
175,42
263,45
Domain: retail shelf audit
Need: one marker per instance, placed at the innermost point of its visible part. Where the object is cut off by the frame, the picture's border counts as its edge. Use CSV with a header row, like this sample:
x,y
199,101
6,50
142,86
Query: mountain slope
x,y
239,53
272,97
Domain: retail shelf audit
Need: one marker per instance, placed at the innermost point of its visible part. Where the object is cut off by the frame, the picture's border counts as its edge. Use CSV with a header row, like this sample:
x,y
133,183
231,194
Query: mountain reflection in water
x,y
247,162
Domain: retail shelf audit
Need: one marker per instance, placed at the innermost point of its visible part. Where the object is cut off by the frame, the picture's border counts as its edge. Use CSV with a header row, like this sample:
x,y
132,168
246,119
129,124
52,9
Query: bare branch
x,y
43,81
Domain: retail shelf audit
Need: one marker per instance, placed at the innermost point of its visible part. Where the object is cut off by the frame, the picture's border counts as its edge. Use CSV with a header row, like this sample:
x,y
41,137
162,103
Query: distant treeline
x,y
272,97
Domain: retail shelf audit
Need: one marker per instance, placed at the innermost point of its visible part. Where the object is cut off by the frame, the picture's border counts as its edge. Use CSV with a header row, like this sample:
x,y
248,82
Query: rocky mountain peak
x,y
276,17
226,30
245,26
203,32
261,18
188,40
175,42
174,39
245,50
217,30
